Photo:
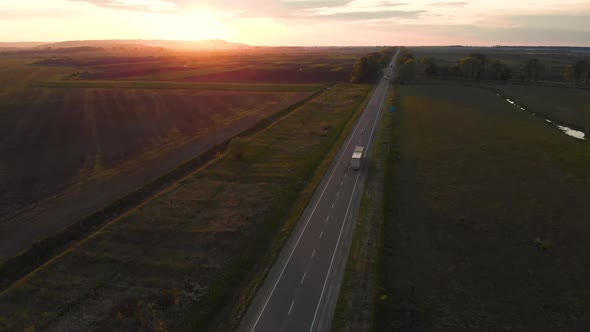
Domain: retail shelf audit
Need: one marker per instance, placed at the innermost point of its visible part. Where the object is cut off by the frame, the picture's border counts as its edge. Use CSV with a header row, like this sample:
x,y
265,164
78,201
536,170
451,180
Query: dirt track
x,y
62,209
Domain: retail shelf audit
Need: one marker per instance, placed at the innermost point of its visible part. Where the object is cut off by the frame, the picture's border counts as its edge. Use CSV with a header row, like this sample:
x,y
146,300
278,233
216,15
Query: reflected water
x,y
566,130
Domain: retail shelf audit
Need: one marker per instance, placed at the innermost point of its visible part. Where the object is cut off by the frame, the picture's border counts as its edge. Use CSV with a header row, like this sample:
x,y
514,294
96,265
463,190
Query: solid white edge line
x,y
304,228
343,223
334,255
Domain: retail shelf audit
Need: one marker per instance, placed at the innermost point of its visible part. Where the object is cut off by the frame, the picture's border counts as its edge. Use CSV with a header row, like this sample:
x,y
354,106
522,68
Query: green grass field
x,y
17,74
177,260
485,221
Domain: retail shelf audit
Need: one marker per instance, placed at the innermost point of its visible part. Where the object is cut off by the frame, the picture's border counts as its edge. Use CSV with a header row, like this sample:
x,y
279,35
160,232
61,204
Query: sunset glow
x,y
191,24
302,22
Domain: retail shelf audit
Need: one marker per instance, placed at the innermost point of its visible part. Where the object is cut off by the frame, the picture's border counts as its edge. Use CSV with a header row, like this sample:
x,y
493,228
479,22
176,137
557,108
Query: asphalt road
x,y
301,289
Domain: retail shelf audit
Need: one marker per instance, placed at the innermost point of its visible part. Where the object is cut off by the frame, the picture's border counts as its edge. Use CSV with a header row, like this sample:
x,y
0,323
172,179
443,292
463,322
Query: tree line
x,y
475,66
369,67
478,66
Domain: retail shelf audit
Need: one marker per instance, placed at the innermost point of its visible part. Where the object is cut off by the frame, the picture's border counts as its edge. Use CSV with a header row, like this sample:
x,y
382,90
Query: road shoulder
x,y
355,308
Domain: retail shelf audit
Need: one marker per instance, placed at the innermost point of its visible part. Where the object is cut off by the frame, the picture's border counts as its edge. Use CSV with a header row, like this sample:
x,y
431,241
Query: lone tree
x,y
570,74
578,73
430,68
364,69
480,64
469,67
533,70
474,66
407,71
499,71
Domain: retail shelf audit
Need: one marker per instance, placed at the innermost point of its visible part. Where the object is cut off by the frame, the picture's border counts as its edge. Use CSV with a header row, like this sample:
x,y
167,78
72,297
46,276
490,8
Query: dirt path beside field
x,y
61,210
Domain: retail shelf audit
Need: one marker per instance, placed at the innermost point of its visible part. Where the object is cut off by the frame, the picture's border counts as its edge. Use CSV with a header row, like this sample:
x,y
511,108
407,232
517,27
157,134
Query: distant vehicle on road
x,y
357,157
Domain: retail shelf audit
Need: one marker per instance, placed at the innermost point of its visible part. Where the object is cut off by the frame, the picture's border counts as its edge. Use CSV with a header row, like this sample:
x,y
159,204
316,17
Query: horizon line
x,y
318,46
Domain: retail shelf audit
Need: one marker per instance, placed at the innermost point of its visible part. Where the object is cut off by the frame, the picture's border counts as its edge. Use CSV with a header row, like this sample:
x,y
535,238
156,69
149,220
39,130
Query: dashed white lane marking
x,y
261,312
303,278
332,206
321,233
341,182
313,253
327,218
337,193
274,287
291,307
342,227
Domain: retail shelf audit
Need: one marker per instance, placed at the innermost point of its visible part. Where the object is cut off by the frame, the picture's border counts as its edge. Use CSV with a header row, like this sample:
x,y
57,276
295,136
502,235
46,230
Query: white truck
x,y
357,157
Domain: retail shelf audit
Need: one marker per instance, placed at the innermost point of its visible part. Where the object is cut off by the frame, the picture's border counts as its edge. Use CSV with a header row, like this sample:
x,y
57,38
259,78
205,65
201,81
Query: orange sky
x,y
303,22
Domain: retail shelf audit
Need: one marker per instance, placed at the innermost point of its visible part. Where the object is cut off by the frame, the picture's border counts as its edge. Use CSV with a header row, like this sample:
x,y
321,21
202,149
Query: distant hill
x,y
21,45
212,44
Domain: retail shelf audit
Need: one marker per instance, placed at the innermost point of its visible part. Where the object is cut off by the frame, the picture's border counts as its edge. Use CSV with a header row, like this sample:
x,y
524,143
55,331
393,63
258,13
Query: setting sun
x,y
192,24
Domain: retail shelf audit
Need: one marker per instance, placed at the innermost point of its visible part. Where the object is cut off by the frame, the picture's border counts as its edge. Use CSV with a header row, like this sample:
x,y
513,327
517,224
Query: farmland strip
x,y
16,267
180,85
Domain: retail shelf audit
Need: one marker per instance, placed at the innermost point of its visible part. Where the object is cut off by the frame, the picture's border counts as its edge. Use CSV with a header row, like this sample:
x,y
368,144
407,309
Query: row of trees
x,y
477,66
369,66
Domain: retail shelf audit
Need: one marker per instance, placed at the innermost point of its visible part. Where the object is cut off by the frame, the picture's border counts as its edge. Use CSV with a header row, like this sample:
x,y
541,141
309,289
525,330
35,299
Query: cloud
x,y
378,3
369,15
451,21
451,4
554,22
428,34
135,5
240,8
29,14
307,4
278,9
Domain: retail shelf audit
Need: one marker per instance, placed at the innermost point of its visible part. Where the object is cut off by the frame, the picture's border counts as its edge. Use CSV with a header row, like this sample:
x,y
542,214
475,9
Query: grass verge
x,y
253,282
355,307
386,237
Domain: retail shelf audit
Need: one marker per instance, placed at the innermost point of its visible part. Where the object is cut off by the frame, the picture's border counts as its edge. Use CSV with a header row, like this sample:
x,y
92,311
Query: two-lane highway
x,y
301,289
